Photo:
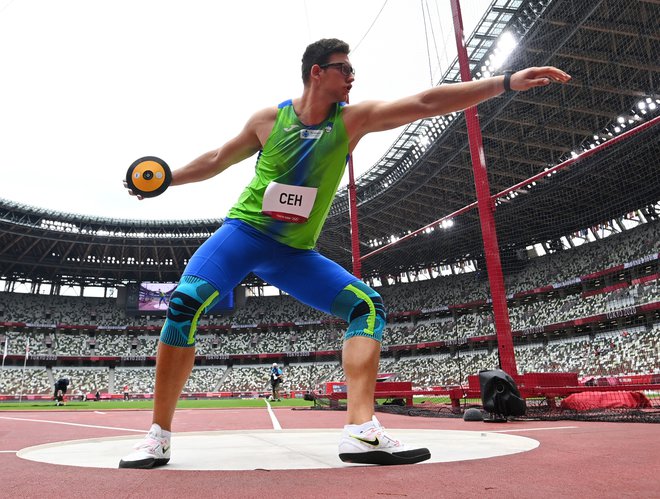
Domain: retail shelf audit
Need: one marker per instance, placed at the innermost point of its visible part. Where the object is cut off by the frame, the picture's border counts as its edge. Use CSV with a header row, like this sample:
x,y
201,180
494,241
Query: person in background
x,y
276,379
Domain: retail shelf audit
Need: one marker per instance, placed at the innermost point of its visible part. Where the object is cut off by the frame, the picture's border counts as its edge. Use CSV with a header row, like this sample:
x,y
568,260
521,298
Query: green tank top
x,y
297,175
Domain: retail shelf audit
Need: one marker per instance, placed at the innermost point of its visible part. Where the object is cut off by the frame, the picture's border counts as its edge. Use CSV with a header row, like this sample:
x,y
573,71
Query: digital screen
x,y
155,297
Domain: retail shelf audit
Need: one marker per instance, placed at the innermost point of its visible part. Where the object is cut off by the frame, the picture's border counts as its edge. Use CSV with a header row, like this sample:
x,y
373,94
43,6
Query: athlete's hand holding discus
x,y
148,177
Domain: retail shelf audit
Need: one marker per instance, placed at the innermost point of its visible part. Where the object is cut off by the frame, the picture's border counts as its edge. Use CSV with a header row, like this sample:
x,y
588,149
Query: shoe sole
x,y
144,464
386,458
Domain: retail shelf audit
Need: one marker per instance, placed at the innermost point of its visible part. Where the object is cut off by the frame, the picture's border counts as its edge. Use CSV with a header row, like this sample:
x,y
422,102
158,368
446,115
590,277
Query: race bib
x,y
289,203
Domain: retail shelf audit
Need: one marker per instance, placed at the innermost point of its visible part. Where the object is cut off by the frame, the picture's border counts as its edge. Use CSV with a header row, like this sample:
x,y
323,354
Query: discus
x,y
148,177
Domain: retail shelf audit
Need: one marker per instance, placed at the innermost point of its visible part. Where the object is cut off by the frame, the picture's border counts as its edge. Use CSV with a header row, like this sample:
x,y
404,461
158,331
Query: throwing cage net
x,y
538,255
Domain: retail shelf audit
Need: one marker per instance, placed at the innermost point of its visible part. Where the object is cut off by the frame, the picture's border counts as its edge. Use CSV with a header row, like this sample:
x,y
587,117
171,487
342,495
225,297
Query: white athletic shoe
x,y
153,451
374,446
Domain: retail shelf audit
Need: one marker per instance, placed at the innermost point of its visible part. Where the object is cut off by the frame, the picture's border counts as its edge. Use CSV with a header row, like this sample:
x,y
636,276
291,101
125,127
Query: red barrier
x,y
336,390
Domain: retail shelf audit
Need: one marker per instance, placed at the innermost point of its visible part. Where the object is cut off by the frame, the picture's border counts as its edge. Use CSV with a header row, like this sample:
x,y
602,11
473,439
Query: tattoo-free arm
x,y
241,147
374,116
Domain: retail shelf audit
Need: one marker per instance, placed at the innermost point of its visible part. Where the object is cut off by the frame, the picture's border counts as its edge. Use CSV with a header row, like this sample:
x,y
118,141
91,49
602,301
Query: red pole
x,y
353,214
352,204
486,207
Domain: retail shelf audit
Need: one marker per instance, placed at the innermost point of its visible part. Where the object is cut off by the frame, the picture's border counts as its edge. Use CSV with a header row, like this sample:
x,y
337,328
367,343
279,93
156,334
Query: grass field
x,y
105,405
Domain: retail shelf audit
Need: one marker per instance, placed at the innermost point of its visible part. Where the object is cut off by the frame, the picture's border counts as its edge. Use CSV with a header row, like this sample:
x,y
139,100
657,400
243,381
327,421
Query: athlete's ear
x,y
315,72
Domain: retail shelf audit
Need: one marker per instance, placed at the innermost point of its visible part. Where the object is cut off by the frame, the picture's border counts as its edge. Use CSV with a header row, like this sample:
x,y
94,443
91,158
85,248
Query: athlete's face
x,y
339,75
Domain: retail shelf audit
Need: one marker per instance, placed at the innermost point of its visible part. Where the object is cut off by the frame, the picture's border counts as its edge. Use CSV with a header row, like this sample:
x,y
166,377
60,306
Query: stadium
x,y
541,260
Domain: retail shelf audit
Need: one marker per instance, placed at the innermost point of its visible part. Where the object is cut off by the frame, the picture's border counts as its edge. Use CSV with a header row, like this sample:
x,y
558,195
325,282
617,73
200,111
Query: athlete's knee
x,y
363,309
191,298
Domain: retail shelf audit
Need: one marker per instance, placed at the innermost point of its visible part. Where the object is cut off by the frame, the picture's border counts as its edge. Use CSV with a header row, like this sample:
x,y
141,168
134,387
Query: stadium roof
x,y
610,48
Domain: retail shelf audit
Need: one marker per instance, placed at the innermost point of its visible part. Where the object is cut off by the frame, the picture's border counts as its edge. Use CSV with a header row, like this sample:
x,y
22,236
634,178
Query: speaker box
x,y
500,396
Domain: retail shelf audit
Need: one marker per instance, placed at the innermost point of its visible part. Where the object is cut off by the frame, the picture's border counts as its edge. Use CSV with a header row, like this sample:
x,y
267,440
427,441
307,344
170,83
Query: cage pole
x,y
353,214
486,206
355,237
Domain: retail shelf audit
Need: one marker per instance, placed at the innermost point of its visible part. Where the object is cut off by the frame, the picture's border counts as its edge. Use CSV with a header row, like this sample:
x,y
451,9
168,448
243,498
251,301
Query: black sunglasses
x,y
346,69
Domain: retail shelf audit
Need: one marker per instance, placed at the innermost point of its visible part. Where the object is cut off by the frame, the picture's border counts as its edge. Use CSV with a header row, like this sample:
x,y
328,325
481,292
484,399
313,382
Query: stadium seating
x,y
88,328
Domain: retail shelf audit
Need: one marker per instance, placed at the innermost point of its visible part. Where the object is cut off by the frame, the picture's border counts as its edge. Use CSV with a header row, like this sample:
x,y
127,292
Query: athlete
x,y
303,146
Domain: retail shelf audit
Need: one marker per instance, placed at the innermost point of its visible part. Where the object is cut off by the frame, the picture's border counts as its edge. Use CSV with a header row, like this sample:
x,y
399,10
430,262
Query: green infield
x,y
106,405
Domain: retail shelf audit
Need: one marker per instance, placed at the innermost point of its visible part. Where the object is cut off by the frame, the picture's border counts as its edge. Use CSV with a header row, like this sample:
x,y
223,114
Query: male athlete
x,y
303,146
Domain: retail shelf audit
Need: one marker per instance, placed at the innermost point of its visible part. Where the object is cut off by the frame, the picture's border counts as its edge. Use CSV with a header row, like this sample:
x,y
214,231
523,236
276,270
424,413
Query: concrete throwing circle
x,y
272,450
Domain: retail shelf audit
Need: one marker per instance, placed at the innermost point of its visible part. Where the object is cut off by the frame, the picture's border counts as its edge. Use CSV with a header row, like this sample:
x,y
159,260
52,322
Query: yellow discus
x,y
149,176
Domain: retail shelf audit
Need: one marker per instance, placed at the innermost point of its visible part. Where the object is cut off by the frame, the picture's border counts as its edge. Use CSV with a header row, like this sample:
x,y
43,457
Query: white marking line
x,y
99,412
276,423
536,429
73,424
8,451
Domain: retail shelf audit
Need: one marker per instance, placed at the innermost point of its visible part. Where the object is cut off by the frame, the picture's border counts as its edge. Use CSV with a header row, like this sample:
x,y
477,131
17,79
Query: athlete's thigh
x,y
308,276
226,258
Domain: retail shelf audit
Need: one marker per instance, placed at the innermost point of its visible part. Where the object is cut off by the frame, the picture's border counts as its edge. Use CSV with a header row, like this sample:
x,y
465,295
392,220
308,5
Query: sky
x,y
88,86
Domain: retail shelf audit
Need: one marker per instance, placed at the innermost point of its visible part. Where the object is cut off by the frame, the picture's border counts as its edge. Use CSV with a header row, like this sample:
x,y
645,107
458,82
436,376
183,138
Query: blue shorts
x,y
236,249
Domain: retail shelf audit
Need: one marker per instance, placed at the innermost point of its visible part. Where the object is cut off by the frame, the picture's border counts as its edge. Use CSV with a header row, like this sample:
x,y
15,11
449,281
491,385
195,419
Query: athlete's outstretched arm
x,y
373,116
244,145
241,147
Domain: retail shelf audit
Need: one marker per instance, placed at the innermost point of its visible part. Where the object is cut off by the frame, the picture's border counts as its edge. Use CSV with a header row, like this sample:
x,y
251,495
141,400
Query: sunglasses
x,y
346,69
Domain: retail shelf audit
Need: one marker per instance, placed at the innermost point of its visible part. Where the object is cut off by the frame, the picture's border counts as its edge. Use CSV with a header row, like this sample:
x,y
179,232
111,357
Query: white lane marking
x,y
536,429
99,412
73,424
276,423
8,451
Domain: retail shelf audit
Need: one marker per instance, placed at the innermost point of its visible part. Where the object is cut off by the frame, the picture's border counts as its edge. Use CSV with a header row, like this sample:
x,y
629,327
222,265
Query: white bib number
x,y
289,203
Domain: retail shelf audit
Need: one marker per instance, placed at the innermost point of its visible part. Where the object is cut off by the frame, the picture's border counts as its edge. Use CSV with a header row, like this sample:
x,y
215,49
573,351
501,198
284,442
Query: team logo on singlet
x,y
311,134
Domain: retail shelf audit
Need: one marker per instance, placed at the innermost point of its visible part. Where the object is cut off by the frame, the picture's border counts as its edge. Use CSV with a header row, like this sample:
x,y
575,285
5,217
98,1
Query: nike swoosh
x,y
165,449
289,128
373,442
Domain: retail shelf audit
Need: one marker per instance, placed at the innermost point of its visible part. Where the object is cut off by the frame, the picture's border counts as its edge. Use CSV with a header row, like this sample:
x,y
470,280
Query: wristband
x,y
507,80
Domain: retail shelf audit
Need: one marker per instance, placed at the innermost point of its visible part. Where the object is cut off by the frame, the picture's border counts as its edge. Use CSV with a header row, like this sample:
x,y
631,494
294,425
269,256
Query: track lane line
x,y
535,429
73,424
276,423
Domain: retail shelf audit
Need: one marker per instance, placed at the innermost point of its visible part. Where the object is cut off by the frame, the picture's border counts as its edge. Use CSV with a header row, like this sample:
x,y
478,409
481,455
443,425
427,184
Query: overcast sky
x,y
89,86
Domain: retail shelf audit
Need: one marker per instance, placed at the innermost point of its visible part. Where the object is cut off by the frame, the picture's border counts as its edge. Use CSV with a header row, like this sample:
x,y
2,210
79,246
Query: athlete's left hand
x,y
537,77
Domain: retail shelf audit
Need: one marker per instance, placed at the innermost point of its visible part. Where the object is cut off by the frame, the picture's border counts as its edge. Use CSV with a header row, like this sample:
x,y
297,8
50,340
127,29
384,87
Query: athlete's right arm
x,y
245,144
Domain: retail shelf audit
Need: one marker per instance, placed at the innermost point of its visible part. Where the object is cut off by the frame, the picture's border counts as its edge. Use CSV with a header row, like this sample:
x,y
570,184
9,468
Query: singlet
x,y
297,175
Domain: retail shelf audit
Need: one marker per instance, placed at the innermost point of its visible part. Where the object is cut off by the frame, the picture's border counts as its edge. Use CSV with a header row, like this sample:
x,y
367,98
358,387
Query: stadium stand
x,y
60,327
